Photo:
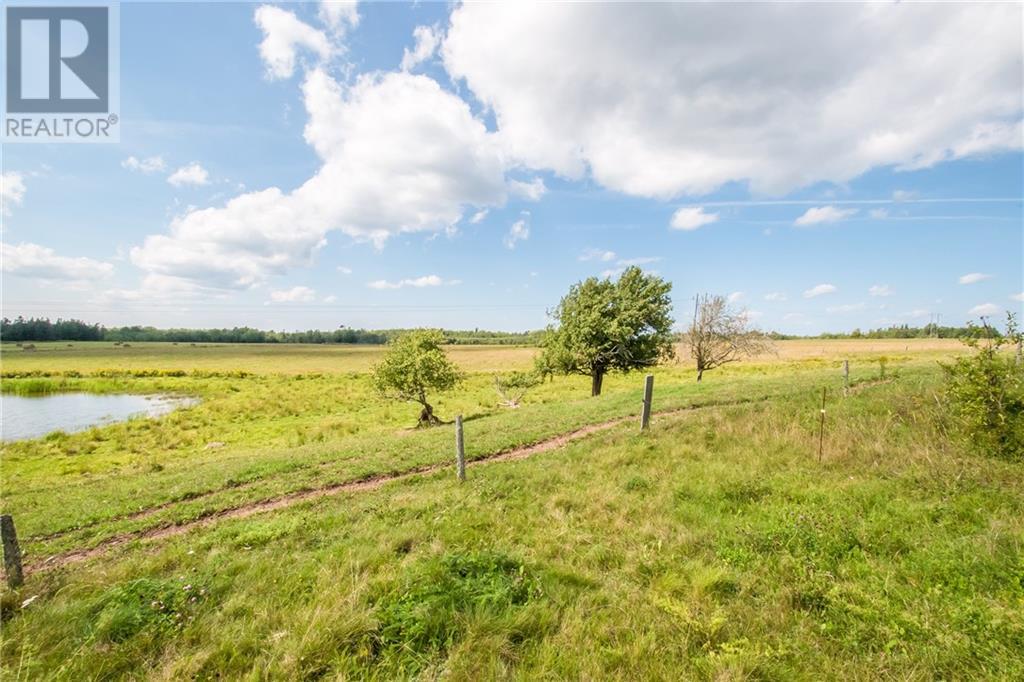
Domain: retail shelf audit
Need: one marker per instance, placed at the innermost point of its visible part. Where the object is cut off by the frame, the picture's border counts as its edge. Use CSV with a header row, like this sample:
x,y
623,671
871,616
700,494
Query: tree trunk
x,y
700,374
596,378
427,417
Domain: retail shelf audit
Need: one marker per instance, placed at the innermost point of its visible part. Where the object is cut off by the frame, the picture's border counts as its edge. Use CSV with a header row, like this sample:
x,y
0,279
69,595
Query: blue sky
x,y
825,182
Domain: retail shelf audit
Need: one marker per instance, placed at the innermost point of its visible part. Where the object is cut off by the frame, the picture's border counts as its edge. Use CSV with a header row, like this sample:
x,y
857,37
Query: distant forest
x,y
42,329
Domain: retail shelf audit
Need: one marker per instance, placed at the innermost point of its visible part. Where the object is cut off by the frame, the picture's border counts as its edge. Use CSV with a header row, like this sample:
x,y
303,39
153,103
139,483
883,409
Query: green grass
x,y
715,546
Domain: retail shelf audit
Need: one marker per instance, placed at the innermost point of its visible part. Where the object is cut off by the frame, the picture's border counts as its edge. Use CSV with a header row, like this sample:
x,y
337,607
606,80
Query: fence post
x,y
821,433
846,377
12,553
645,415
460,450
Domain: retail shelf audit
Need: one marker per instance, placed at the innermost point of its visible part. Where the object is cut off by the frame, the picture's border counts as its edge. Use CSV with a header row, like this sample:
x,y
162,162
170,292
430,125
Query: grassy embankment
x,y
716,545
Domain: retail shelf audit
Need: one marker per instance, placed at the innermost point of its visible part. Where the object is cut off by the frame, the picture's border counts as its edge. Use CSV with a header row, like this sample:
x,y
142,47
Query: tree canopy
x,y
416,363
603,326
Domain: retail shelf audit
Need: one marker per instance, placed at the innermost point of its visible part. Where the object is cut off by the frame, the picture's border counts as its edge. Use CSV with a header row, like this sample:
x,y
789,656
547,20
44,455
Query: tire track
x,y
289,499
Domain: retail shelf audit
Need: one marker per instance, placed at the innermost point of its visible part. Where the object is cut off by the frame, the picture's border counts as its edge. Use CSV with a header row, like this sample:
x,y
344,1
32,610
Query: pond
x,y
26,417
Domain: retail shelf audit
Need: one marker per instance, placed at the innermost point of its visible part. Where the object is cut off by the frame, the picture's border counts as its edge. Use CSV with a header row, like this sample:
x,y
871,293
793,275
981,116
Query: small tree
x,y
719,334
415,363
985,392
604,326
514,385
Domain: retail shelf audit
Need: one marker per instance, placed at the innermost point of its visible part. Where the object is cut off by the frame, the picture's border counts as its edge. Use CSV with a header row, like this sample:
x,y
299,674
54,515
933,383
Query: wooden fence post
x,y
846,377
12,553
460,450
645,415
821,433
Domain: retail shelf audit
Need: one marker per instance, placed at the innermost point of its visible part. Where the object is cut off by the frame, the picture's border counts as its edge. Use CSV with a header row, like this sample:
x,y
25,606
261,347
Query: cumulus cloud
x,y
1018,297
880,290
824,214
734,296
985,310
820,290
399,154
293,295
427,40
597,254
283,35
879,213
12,191
531,191
520,231
150,164
479,216
651,102
344,269
418,283
39,262
775,296
974,278
340,15
192,174
690,218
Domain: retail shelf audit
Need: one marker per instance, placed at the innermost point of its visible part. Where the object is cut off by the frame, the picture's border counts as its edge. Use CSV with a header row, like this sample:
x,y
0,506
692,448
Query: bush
x,y
985,395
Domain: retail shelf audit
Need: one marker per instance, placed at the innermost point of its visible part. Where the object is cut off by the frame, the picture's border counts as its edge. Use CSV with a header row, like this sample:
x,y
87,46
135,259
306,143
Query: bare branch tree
x,y
719,334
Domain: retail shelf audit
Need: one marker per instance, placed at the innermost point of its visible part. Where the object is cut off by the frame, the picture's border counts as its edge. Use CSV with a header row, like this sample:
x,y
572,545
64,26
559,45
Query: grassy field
x,y
715,546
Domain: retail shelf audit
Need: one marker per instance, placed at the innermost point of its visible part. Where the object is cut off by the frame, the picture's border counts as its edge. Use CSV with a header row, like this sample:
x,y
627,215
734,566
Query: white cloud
x,y
652,102
690,218
880,290
344,269
192,174
531,191
293,295
820,290
824,214
641,260
775,296
330,299
918,312
903,195
1018,297
520,231
846,308
974,278
283,35
40,262
734,296
985,310
418,282
479,216
399,155
151,164
597,254
340,15
879,213
12,191
427,38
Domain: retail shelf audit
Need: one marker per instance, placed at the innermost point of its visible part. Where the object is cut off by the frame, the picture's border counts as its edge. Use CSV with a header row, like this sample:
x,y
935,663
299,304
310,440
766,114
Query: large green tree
x,y
603,326
415,363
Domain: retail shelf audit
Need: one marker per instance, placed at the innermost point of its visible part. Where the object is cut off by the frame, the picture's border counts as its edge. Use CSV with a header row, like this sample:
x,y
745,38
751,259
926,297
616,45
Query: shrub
x,y
985,394
511,387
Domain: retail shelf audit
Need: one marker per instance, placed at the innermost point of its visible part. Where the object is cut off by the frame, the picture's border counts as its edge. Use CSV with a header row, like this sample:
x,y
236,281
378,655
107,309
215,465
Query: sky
x,y
310,165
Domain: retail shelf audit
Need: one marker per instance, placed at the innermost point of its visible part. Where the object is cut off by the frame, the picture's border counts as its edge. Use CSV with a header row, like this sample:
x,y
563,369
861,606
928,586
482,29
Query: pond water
x,y
23,417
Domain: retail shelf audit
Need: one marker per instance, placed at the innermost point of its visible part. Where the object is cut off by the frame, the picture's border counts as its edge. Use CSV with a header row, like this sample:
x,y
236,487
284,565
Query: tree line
x,y
42,329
